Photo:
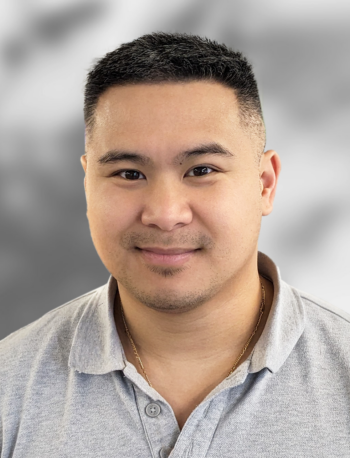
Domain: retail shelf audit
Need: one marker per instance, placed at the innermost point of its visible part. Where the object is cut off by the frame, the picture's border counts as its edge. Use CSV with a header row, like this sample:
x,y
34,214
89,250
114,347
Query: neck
x,y
212,334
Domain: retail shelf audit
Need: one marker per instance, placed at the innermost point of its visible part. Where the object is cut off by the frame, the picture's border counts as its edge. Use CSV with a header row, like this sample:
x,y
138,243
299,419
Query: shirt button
x,y
153,410
165,452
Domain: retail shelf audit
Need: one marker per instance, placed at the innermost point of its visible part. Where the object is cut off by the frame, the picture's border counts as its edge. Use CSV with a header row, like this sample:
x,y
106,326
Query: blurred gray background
x,y
300,52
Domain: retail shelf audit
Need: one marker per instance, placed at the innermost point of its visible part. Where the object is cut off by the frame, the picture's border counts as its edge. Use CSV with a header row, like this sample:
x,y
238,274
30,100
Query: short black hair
x,y
173,57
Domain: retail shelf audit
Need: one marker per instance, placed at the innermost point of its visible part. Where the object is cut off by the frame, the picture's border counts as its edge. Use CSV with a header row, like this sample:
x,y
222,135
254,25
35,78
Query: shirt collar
x,y
285,324
97,349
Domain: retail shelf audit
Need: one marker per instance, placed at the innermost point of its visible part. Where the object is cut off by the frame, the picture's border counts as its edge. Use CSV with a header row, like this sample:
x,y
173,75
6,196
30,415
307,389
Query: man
x,y
195,347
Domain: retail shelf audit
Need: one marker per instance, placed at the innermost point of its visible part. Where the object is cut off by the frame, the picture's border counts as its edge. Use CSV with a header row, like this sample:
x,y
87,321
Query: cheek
x,y
233,215
109,215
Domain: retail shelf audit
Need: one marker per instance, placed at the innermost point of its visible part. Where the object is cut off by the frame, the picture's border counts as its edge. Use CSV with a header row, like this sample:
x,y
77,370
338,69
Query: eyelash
x,y
118,172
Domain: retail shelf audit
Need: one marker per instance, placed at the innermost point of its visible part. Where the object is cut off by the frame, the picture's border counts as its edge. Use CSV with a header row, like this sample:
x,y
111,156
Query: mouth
x,y
173,256
169,251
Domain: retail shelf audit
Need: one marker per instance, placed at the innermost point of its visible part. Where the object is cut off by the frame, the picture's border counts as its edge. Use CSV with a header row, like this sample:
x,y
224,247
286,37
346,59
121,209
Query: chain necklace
x,y
262,307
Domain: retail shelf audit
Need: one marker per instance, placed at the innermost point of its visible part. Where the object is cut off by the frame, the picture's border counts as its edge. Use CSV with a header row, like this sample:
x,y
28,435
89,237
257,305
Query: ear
x,y
83,161
270,168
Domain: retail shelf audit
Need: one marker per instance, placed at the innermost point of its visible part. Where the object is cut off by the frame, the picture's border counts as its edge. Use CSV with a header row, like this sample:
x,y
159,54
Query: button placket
x,y
158,421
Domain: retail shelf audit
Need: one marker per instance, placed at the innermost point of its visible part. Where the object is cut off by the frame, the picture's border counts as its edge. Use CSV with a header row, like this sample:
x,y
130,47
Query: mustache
x,y
132,239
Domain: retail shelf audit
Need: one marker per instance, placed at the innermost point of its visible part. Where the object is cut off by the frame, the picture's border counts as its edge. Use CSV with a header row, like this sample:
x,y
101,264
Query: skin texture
x,y
188,322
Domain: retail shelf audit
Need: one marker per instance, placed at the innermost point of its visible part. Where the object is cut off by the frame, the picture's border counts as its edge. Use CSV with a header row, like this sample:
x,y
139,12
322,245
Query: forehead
x,y
172,104
167,118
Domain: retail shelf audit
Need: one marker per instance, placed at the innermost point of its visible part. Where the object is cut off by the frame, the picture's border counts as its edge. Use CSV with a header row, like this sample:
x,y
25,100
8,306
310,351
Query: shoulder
x,y
322,308
326,325
52,333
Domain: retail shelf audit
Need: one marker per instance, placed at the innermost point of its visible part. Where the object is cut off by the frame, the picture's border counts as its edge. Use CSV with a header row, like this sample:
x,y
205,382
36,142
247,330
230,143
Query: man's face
x,y
210,202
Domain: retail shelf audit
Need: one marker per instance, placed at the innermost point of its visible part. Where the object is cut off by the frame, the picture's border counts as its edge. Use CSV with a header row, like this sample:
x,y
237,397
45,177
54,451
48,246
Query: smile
x,y
166,257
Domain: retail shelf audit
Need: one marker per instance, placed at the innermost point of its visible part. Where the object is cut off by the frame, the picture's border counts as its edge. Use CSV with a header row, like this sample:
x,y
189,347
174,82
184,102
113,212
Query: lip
x,y
167,251
175,256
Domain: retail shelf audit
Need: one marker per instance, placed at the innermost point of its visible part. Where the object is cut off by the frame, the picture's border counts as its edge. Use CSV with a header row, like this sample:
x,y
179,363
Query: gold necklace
x,y
261,310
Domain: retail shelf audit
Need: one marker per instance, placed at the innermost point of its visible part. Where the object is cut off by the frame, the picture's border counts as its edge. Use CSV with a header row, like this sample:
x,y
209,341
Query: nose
x,y
166,205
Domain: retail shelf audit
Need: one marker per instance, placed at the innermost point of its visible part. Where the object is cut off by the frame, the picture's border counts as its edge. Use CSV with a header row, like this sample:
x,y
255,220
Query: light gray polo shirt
x,y
66,389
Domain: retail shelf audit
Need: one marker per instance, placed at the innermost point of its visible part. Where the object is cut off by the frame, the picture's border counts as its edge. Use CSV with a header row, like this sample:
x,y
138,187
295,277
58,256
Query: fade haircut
x,y
173,57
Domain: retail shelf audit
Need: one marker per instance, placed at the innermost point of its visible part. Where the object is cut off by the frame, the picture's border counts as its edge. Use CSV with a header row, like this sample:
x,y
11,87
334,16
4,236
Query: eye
x,y
201,170
135,175
130,175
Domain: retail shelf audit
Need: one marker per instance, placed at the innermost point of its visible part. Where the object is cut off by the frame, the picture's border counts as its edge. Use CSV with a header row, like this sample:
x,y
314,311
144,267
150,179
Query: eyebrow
x,y
114,156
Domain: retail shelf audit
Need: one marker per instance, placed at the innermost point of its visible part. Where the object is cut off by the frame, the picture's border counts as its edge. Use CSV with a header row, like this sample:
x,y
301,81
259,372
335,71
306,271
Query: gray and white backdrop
x,y
300,52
